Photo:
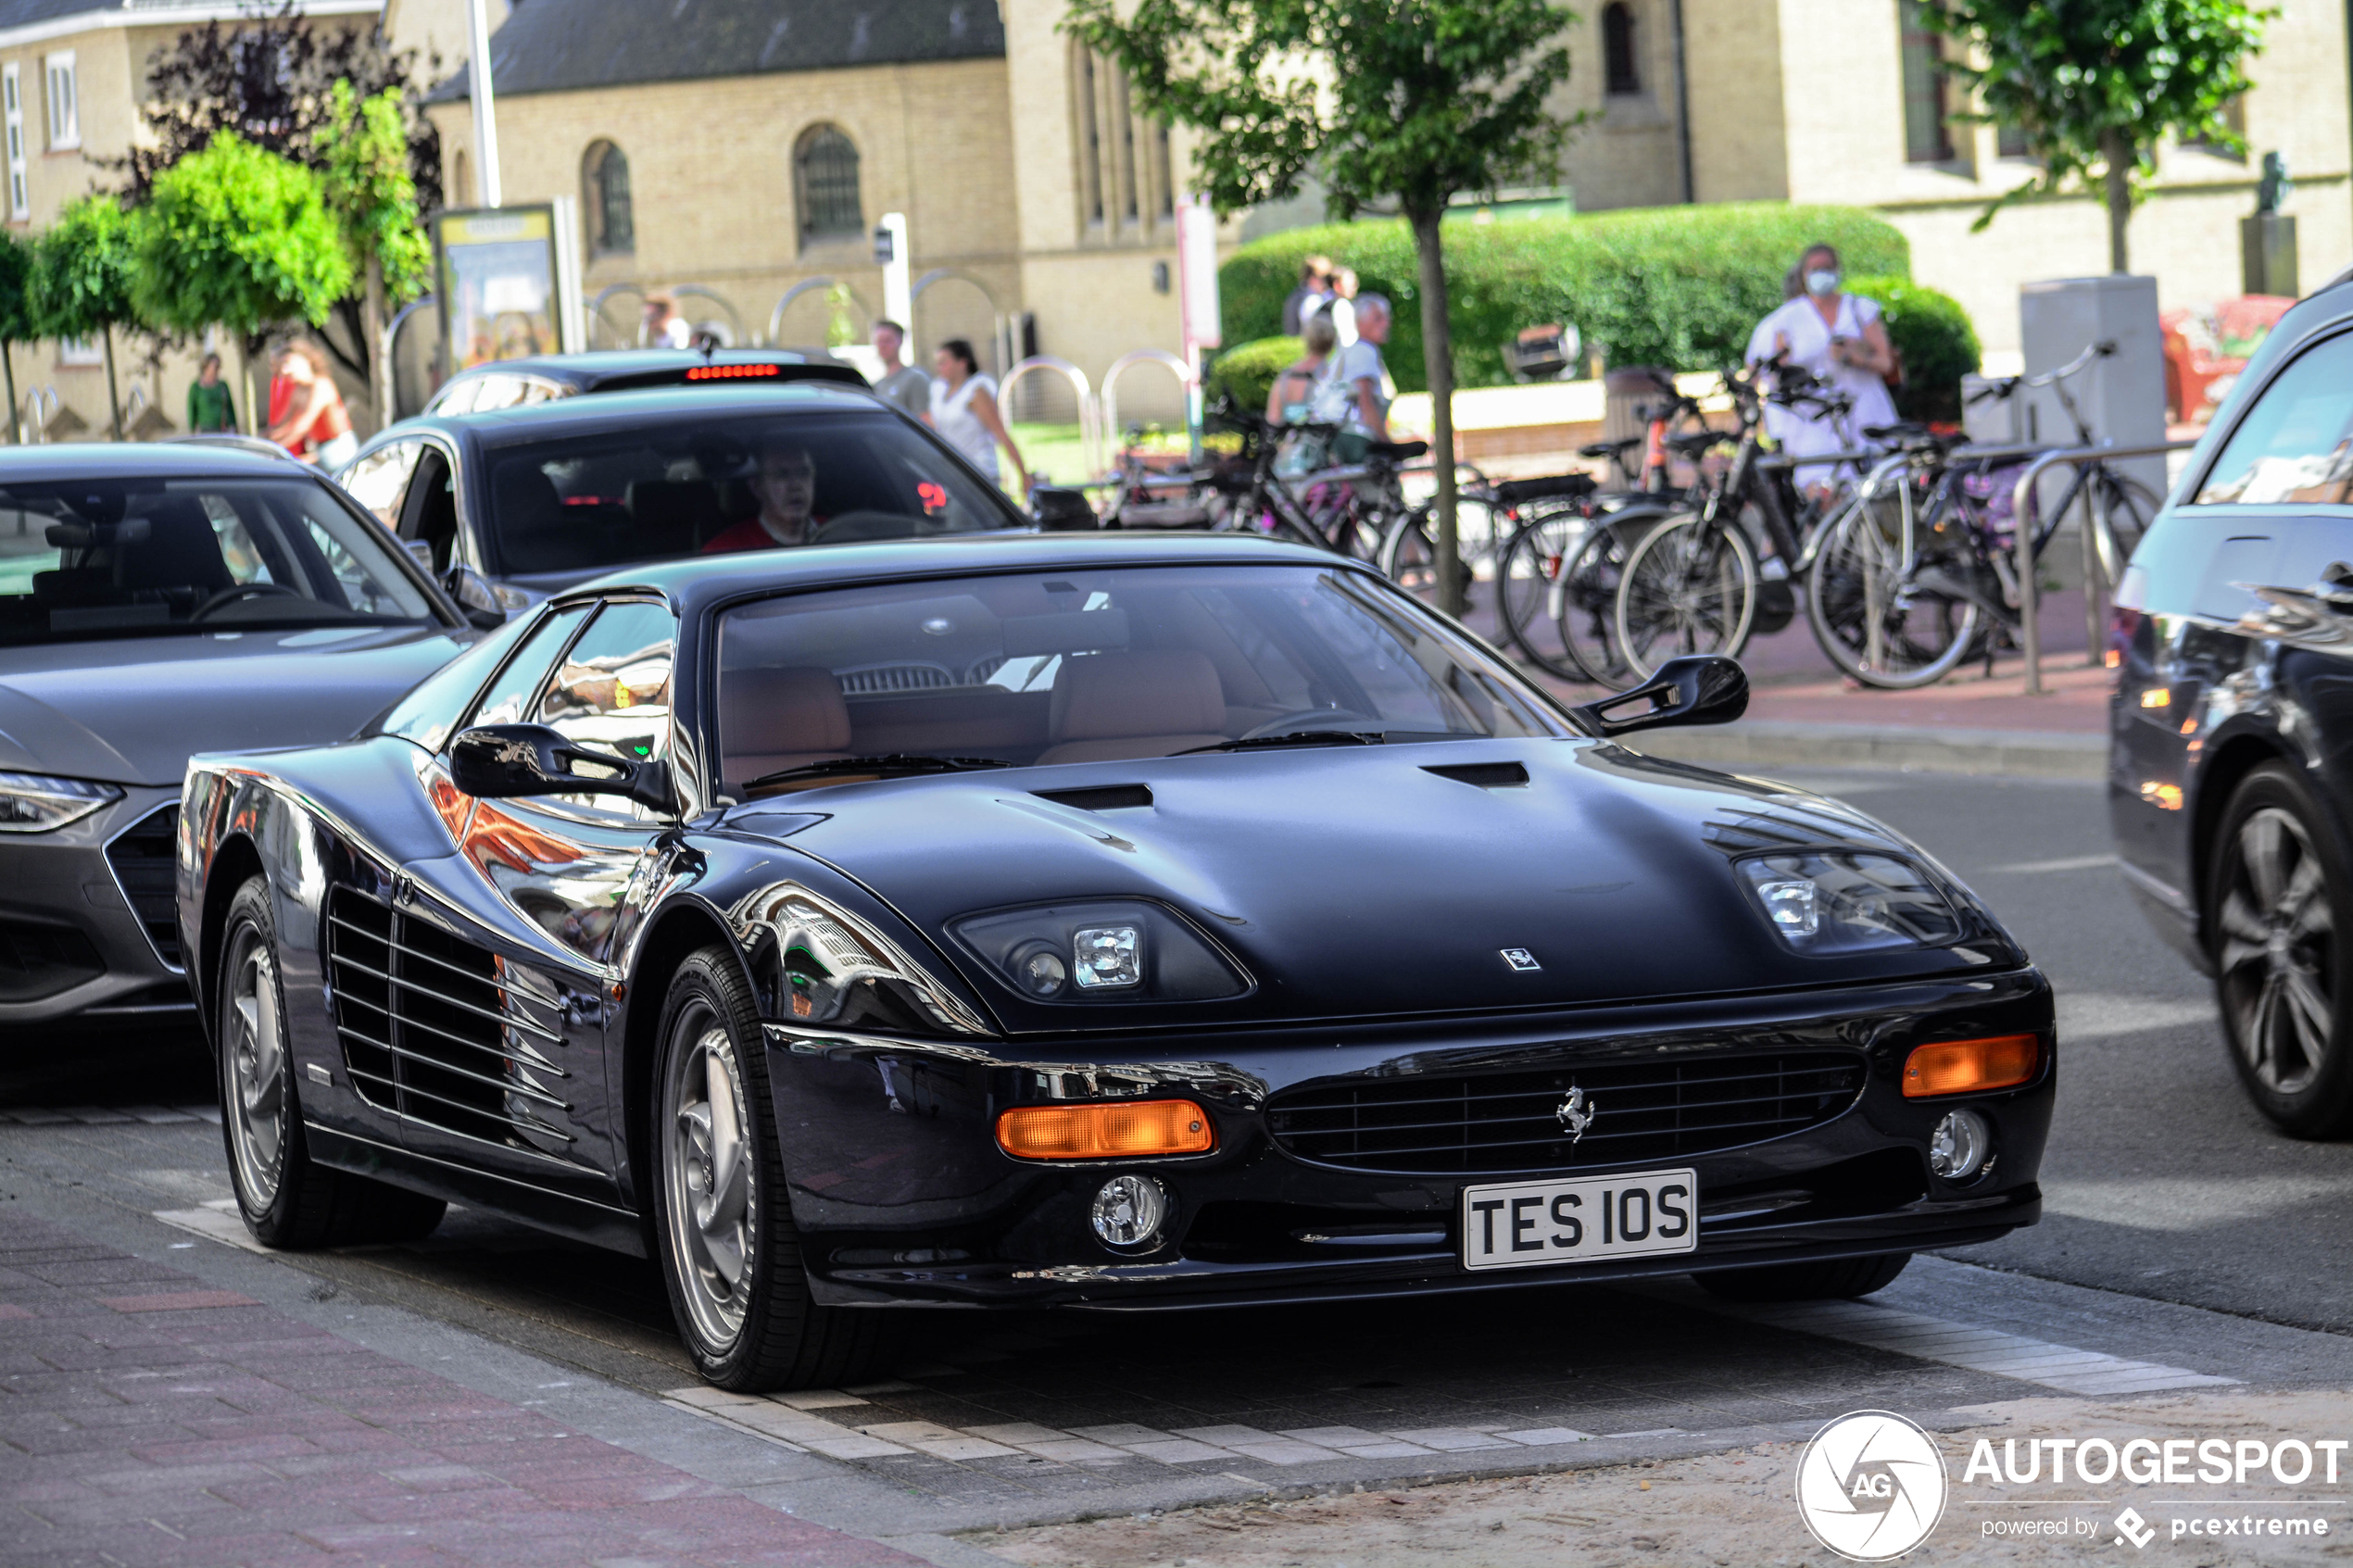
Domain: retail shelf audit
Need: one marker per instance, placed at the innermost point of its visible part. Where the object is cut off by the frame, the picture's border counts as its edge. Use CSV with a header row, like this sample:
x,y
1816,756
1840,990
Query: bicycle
x,y
1695,582
1911,588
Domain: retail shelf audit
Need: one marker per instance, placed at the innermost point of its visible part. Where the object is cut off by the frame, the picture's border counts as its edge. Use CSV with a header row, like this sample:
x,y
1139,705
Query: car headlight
x,y
1836,901
36,803
1108,950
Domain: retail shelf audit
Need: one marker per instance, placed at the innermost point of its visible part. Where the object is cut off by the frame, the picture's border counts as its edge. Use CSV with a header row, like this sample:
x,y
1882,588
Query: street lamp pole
x,y
486,115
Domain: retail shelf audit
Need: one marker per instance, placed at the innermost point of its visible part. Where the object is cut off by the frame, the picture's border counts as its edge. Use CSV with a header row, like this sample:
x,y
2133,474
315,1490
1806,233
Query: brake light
x,y
1960,1067
734,372
1117,1130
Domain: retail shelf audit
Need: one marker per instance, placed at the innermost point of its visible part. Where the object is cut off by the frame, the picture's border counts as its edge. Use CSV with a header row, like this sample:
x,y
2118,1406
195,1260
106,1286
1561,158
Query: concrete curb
x,y
1771,743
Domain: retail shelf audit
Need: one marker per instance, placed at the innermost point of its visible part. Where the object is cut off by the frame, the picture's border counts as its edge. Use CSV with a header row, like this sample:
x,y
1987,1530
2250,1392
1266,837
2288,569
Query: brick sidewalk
x,y
145,1419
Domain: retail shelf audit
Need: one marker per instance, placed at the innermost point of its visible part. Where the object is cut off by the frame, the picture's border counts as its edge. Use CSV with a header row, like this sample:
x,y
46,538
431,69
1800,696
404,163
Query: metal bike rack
x,y
1090,457
2101,565
807,285
1120,367
32,418
596,313
701,290
1000,325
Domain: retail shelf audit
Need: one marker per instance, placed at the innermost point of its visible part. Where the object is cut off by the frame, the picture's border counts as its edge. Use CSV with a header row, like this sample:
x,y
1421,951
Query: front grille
x,y
41,960
439,1030
143,857
1641,1111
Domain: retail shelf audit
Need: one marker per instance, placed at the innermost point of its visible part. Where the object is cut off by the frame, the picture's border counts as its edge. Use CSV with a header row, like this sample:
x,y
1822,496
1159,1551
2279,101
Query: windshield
x,y
712,485
1090,666
114,557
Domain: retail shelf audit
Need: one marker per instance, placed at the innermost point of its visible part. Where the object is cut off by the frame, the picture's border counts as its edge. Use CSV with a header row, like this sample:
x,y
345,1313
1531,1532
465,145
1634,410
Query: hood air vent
x,y
1485,775
1111,797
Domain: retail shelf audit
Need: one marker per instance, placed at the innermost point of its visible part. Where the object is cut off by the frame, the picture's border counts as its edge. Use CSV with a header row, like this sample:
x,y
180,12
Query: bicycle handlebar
x,y
2007,386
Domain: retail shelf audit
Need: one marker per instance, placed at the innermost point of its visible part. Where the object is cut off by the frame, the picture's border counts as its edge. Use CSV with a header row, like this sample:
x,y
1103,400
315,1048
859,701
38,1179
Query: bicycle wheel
x,y
2131,506
1880,627
1408,556
1689,587
1528,578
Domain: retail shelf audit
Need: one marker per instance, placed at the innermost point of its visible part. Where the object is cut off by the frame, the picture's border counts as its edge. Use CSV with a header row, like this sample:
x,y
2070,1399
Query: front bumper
x,y
903,1197
86,920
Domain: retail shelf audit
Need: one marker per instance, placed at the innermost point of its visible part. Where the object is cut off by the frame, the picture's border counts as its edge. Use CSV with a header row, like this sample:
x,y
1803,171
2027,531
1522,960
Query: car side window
x,y
430,514
379,479
611,693
508,699
2295,445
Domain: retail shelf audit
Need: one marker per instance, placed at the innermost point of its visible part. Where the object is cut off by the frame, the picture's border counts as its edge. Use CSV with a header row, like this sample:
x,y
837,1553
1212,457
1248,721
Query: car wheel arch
x,y
685,928
2219,781
236,861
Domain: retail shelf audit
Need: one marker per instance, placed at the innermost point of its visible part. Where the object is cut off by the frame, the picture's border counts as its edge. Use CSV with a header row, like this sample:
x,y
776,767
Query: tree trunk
x,y
2116,151
1438,365
114,398
371,323
16,415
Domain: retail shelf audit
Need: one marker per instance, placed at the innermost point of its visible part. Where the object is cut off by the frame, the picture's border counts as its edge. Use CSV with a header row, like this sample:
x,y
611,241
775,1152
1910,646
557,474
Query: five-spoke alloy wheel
x,y
2278,960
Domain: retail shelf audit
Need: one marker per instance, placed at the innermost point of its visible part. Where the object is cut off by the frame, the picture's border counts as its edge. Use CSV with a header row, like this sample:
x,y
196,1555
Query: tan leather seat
x,y
1108,706
772,718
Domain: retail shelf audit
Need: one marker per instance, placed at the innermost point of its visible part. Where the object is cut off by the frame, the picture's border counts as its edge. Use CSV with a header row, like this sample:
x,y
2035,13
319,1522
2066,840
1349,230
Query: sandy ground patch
x,y
1736,1509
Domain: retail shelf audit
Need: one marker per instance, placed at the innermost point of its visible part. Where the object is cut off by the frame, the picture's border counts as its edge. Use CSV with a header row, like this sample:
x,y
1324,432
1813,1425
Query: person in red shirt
x,y
786,487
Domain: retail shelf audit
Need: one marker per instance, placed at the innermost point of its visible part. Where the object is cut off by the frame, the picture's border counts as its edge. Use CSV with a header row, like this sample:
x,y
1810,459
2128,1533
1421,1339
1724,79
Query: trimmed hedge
x,y
1936,339
1681,287
1247,370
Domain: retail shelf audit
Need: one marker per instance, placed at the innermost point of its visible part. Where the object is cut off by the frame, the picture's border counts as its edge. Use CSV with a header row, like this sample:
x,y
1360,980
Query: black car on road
x,y
1105,920
543,378
157,601
2231,751
508,505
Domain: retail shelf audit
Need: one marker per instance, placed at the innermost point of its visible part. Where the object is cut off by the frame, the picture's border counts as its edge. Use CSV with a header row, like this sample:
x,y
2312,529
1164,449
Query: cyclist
x,y
1838,338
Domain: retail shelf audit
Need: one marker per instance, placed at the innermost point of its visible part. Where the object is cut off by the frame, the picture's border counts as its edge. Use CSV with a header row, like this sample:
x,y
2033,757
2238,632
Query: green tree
x,y
2094,85
238,238
363,159
1396,104
15,314
79,285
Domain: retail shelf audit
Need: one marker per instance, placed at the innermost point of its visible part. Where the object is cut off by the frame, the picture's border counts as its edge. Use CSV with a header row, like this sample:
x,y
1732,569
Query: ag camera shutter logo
x,y
1871,1486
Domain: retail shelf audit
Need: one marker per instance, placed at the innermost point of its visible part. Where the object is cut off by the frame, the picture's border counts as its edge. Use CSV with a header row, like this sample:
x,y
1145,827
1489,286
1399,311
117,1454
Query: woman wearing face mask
x,y
1838,338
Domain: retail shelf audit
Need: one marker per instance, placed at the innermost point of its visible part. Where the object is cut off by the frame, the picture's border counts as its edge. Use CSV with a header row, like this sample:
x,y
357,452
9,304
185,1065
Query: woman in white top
x,y
963,409
1838,338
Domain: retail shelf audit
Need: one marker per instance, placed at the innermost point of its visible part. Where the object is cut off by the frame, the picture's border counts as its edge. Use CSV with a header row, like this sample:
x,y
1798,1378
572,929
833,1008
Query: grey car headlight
x,y
1106,950
1837,901
36,803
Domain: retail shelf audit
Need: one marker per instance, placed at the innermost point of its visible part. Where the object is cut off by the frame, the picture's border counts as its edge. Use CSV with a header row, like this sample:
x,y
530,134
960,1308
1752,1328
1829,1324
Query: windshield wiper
x,y
898,764
1296,737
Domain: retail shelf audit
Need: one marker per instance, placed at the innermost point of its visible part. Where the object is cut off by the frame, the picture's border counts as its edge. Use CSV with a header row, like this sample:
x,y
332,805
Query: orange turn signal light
x,y
1122,1130
1959,1067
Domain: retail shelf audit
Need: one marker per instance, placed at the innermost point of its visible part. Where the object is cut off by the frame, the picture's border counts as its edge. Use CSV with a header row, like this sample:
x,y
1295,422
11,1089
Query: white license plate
x,y
1529,1225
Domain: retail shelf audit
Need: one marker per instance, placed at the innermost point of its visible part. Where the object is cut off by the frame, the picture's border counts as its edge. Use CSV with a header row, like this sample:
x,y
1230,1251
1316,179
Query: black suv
x,y
2231,736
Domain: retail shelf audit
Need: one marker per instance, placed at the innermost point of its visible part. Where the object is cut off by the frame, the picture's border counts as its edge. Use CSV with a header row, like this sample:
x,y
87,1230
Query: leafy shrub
x,y
1934,335
1681,287
1247,370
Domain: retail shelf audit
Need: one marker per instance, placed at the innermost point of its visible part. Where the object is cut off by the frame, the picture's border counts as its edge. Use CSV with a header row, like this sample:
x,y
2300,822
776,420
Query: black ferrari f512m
x,y
1107,922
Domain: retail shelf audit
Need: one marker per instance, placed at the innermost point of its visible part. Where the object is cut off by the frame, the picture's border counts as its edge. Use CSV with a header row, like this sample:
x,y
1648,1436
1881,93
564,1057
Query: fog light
x,y
1108,957
1129,1212
1040,970
1957,1151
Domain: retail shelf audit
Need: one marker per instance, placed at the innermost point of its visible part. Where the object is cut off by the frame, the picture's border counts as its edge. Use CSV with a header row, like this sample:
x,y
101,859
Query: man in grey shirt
x,y
901,382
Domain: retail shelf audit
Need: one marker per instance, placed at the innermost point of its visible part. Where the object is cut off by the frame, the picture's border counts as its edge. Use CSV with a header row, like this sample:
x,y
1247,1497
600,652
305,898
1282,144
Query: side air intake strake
x,y
439,1030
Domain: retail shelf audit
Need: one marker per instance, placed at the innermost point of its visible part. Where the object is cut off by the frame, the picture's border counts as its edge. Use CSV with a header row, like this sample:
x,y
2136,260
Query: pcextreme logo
x,y
1871,1486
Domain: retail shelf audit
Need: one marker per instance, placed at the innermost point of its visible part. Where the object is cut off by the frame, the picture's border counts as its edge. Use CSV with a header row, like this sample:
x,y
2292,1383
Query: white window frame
x,y
65,107
80,351
12,102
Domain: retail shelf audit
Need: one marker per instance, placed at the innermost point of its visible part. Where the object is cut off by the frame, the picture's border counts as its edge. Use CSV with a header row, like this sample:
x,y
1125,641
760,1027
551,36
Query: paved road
x,y
2186,1243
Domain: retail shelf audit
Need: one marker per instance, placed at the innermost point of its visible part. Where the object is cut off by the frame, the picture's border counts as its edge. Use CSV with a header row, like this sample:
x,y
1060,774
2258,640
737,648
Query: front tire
x,y
2280,959
730,1252
1837,1279
286,1199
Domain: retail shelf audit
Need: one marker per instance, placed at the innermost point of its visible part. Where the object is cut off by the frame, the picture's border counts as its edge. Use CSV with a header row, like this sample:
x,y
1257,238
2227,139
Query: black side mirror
x,y
1060,511
1696,689
504,762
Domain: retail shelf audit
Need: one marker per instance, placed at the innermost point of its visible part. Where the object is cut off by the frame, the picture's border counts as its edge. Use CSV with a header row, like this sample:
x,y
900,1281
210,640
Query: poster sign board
x,y
501,277
1196,275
